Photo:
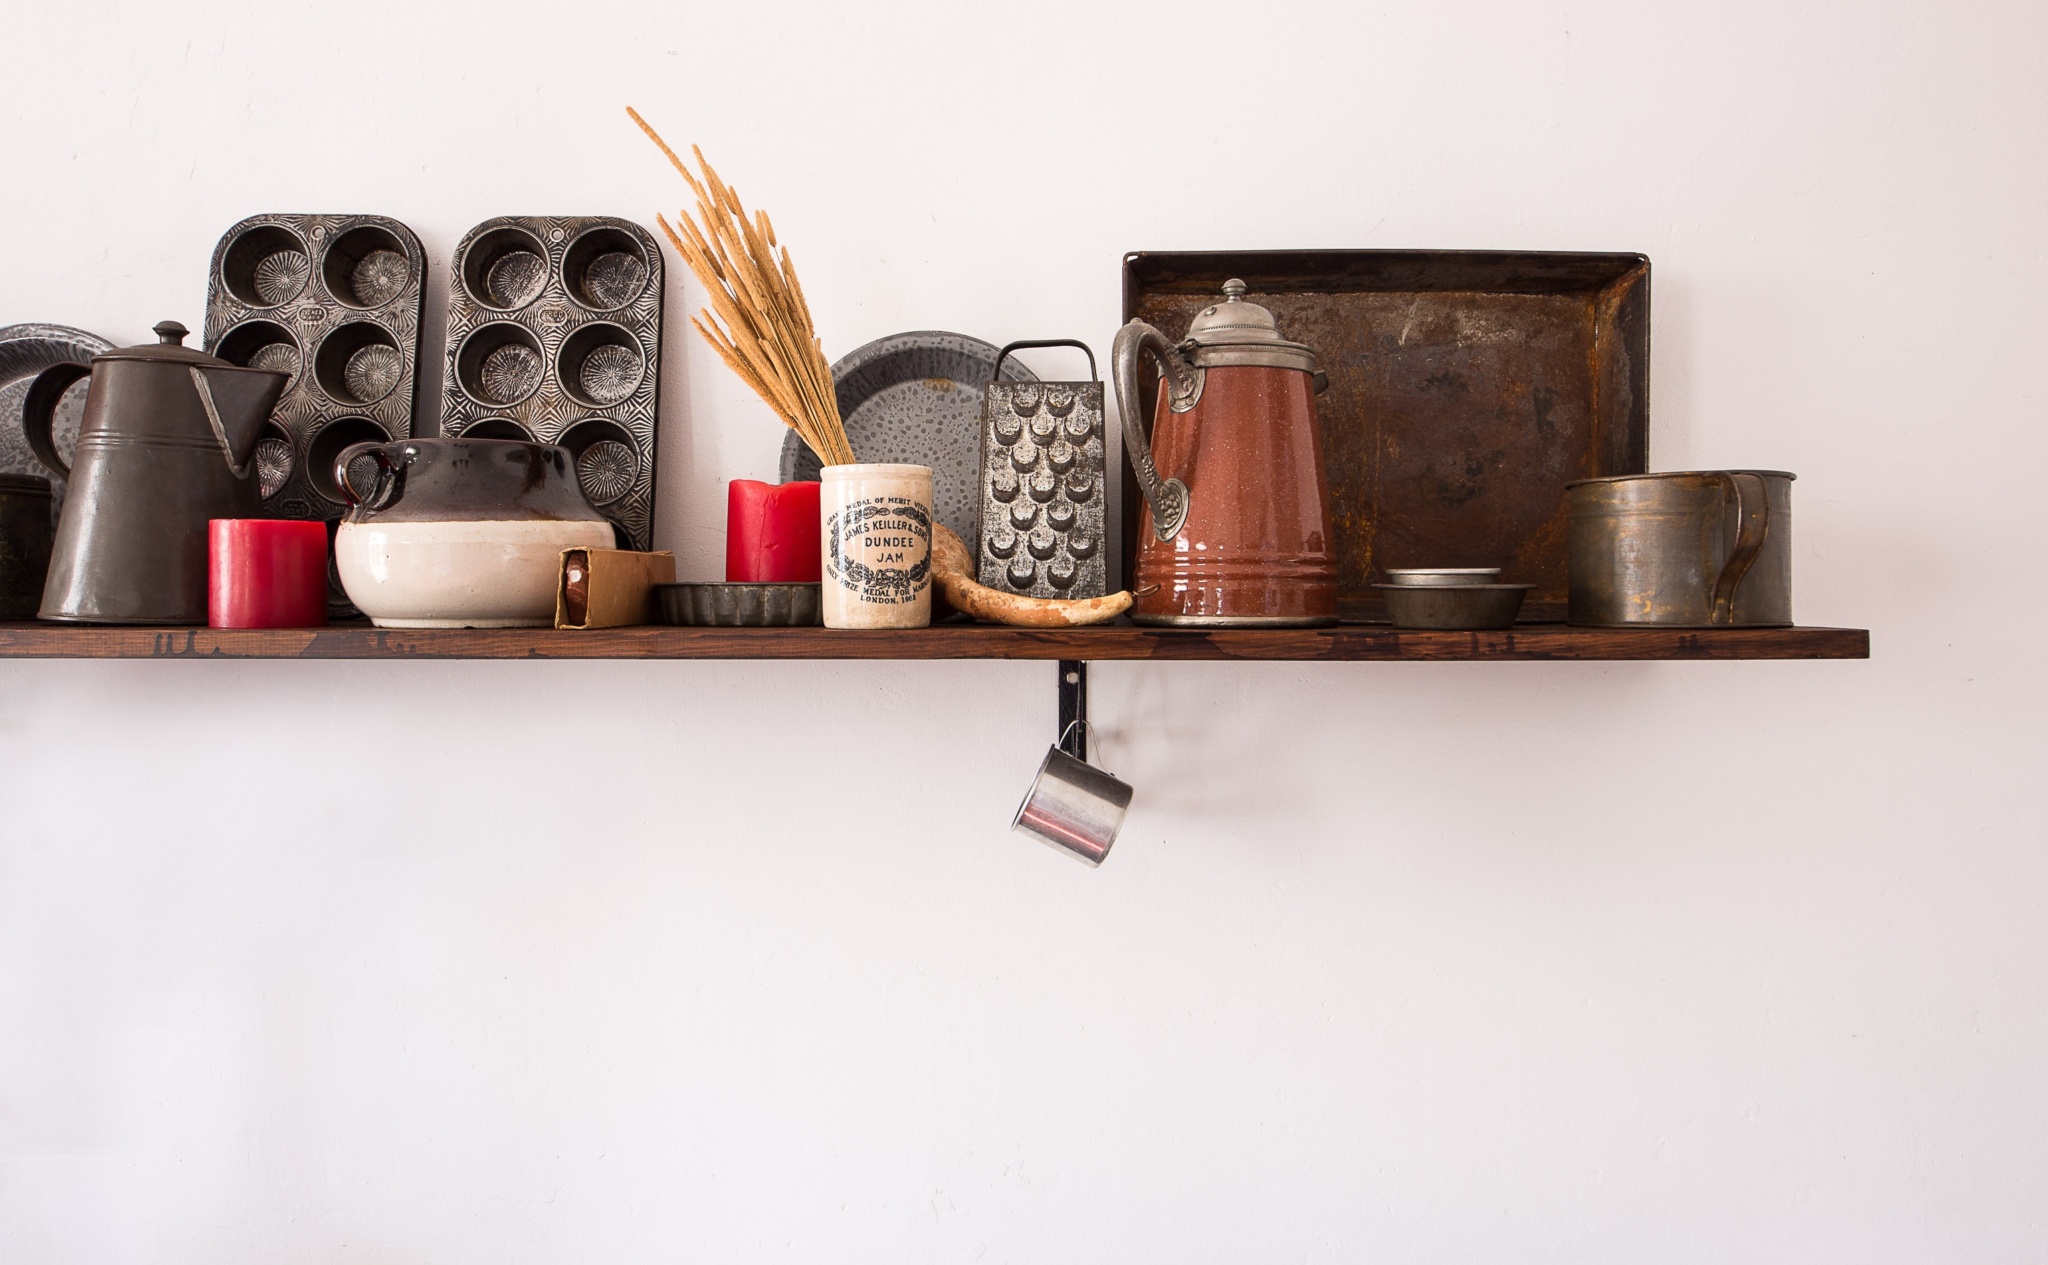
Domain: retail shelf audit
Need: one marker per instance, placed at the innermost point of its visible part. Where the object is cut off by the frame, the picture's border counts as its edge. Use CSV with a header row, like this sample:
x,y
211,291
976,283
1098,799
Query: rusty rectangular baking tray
x,y
1466,389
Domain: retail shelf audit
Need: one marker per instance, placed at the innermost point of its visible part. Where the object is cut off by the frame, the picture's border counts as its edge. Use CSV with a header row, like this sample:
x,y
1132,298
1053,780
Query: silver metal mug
x,y
1073,806
1689,549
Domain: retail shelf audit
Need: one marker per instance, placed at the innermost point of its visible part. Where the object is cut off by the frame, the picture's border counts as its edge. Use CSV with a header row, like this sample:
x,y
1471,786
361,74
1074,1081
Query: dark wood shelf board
x,y
1351,642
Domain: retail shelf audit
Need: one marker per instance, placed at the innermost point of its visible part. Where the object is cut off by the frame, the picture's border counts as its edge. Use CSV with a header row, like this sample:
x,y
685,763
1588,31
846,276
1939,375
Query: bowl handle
x,y
390,475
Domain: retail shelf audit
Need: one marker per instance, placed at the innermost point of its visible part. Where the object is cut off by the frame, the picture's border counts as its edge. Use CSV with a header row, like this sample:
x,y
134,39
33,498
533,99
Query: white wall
x,y
323,962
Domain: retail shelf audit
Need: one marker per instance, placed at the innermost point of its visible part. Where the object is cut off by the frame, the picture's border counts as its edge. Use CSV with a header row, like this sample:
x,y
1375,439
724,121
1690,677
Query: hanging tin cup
x,y
1074,806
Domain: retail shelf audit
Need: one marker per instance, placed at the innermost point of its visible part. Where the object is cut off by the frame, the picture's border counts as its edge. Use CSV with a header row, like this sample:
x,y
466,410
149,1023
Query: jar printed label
x,y
880,549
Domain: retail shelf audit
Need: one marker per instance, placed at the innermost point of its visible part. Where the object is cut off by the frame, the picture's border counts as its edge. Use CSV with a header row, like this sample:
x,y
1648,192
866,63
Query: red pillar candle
x,y
771,533
266,573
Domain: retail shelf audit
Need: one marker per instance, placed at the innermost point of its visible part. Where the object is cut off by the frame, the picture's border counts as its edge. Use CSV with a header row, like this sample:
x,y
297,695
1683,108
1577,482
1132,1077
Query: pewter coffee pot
x,y
165,445
1239,529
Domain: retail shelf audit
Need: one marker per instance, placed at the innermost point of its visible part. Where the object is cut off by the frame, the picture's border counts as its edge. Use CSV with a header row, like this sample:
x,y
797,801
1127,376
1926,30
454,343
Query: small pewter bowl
x,y
1439,576
1461,607
740,605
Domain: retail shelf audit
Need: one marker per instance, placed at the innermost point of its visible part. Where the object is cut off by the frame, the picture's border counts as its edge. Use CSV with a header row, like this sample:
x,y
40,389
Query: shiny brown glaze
x,y
1256,545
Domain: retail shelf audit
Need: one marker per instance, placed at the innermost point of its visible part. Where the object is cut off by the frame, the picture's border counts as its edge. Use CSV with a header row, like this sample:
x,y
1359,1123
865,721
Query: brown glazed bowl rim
x,y
1680,474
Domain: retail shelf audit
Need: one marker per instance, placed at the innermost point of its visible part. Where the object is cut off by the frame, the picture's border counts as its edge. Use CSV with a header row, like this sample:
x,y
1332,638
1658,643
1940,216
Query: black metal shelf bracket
x,y
1074,708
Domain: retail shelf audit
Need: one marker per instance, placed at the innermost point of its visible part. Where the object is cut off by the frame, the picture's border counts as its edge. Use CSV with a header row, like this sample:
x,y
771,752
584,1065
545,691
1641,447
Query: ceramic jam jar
x,y
461,533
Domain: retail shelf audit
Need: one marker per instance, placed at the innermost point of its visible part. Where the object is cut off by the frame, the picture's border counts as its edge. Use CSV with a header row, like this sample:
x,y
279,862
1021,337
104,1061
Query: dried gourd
x,y
953,570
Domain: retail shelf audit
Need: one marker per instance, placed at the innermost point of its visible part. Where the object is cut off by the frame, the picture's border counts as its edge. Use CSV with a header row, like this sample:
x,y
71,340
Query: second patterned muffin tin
x,y
554,334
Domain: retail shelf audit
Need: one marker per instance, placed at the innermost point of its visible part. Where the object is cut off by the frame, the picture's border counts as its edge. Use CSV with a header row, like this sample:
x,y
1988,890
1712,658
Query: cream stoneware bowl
x,y
460,533
459,575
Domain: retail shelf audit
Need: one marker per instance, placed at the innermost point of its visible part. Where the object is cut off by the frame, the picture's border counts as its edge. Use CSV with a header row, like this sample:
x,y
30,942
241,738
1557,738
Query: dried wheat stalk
x,y
758,321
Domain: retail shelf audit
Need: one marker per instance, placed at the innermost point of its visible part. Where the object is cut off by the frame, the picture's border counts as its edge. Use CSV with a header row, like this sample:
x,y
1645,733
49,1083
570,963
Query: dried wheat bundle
x,y
758,320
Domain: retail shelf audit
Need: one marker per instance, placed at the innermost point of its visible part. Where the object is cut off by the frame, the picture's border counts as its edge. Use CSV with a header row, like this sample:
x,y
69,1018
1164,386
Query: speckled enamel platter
x,y
916,399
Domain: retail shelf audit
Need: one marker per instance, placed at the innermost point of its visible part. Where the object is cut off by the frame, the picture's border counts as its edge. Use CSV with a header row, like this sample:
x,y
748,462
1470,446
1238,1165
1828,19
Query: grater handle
x,y
997,373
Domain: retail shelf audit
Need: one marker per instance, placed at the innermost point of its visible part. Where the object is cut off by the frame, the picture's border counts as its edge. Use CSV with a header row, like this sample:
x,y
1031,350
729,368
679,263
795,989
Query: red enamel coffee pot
x,y
1239,530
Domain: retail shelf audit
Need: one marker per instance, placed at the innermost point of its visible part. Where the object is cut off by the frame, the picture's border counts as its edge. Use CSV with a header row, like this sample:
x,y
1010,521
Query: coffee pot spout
x,y
238,401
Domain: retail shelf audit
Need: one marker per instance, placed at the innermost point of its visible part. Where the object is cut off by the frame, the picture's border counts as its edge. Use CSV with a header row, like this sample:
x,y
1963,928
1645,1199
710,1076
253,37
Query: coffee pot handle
x,y
390,474
39,413
1753,528
1167,497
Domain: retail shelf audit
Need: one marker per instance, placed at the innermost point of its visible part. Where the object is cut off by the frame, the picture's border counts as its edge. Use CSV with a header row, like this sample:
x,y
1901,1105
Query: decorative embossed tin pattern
x,y
1042,489
334,301
1466,389
915,399
554,334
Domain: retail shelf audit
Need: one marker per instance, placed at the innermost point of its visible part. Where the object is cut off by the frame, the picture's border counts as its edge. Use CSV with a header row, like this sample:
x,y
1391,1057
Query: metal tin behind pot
x,y
1688,549
24,543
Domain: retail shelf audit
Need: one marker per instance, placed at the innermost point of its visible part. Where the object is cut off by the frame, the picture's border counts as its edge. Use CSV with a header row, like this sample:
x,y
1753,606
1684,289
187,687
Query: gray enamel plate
x,y
25,351
916,398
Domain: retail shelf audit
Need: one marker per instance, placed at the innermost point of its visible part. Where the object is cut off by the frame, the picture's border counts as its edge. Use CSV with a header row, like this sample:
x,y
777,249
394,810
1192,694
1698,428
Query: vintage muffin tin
x,y
554,334
1043,482
333,300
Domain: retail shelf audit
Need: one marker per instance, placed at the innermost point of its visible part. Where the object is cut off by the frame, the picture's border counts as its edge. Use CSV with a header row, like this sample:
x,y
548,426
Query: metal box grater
x,y
1043,484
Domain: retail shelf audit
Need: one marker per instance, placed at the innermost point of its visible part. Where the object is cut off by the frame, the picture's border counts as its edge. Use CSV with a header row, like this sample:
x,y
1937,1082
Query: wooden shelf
x,y
1351,642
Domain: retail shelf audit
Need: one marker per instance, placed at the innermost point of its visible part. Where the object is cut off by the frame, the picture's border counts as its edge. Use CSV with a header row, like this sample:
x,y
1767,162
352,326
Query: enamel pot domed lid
x,y
1235,332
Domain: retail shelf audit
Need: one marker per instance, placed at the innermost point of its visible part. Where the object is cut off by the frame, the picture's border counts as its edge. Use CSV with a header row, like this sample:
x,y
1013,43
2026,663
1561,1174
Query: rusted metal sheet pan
x,y
1466,389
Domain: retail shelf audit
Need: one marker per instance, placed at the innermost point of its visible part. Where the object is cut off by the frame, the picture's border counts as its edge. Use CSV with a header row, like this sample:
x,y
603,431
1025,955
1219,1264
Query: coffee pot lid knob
x,y
1234,321
170,333
1235,332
